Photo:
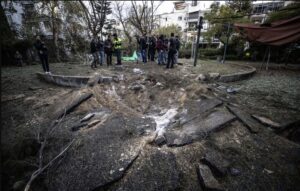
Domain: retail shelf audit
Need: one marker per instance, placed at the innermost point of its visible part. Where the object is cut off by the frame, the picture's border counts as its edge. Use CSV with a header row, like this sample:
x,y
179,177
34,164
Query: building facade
x,y
261,9
185,15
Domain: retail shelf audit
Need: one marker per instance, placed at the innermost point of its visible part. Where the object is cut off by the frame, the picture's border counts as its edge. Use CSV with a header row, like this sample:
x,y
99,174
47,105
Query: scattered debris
x,y
87,117
268,171
201,77
138,71
213,76
136,87
92,123
232,90
163,121
106,79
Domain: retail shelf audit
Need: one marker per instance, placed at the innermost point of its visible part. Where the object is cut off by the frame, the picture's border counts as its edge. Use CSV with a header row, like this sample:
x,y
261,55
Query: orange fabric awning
x,y
277,34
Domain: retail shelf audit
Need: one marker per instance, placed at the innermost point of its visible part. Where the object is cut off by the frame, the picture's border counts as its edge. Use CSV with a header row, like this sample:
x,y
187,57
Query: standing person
x,y
152,45
43,53
18,58
160,50
177,42
143,45
117,44
100,47
94,52
172,52
166,41
108,44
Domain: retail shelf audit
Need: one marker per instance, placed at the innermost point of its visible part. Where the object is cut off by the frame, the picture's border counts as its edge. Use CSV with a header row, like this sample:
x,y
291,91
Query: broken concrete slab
x,y
94,80
106,79
206,178
197,108
204,125
246,119
69,81
156,170
198,128
101,156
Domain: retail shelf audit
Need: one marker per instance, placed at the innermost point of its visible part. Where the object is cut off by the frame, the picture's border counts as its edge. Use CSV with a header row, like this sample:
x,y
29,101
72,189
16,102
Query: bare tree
x,y
121,14
96,16
142,16
52,7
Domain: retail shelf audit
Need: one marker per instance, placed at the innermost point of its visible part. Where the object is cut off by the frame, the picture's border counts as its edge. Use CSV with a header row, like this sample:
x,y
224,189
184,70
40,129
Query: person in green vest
x,y
117,44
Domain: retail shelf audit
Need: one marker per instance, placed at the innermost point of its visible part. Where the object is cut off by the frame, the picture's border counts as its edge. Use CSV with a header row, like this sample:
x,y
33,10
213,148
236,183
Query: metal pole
x,y
225,49
199,26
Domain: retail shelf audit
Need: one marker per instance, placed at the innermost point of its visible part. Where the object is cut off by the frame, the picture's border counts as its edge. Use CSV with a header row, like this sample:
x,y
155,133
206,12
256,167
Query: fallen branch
x,y
41,169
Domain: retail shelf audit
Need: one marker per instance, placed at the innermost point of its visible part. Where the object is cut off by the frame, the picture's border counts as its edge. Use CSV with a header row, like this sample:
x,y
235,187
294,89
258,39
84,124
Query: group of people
x,y
167,49
99,49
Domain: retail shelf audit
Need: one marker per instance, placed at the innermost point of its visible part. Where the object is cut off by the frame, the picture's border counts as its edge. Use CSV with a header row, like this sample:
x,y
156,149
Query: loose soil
x,y
265,160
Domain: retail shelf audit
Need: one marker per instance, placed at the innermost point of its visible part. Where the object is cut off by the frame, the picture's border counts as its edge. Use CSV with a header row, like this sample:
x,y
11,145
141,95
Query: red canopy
x,y
278,33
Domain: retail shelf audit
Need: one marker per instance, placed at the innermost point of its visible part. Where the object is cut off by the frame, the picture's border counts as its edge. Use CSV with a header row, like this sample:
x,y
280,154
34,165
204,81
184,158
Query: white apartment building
x,y
187,18
261,9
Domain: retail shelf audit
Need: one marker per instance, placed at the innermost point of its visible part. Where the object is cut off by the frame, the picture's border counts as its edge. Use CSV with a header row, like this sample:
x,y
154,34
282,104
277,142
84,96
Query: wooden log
x,y
72,105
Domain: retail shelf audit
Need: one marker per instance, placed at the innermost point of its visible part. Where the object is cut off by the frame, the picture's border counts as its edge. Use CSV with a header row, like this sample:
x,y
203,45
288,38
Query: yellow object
x,y
248,54
117,43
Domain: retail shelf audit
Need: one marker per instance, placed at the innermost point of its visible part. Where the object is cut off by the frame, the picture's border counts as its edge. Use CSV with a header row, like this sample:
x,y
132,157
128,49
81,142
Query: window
x,y
9,19
194,3
179,18
47,25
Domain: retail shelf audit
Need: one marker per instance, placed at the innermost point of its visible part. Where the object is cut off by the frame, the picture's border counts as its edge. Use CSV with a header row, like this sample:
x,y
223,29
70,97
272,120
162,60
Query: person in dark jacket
x,y
108,45
166,42
100,47
43,53
172,52
94,52
160,50
177,42
143,46
152,45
